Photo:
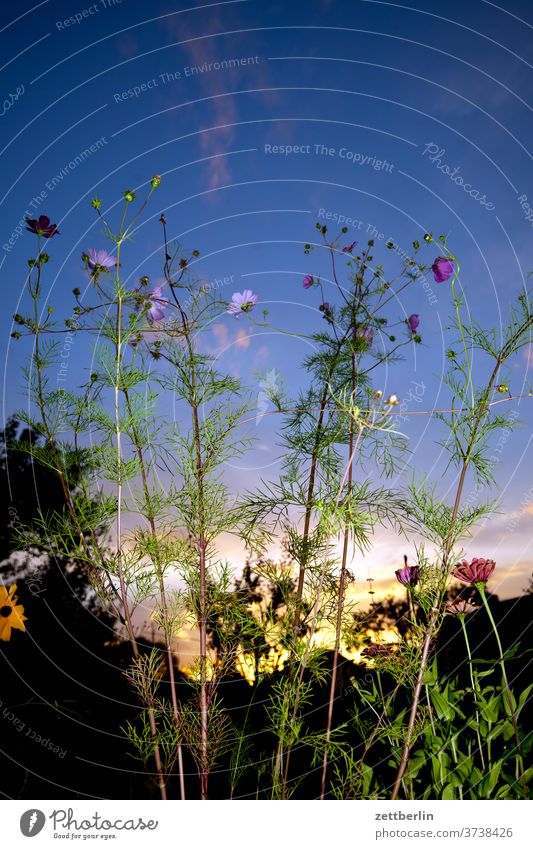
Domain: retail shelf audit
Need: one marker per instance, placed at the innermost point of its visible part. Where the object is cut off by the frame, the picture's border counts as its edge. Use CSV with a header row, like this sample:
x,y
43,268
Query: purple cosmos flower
x,y
324,307
409,576
413,321
242,302
460,607
41,227
349,248
478,571
99,261
442,269
308,281
157,305
365,333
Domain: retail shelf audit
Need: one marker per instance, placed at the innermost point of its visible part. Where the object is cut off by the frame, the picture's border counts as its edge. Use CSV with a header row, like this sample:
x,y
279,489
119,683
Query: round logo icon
x,y
32,822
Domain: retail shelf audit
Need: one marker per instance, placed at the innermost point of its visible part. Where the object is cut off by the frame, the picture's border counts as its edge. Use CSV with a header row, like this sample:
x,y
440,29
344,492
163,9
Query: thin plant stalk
x,y
120,571
201,541
447,550
519,759
162,592
475,688
340,605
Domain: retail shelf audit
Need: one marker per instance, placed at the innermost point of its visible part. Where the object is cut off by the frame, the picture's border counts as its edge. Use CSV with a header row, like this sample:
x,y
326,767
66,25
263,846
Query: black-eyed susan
x,y
11,613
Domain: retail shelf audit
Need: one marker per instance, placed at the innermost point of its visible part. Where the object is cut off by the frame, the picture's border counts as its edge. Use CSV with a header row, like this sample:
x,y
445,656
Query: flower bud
x,y
427,237
129,196
392,401
76,292
502,387
155,181
96,203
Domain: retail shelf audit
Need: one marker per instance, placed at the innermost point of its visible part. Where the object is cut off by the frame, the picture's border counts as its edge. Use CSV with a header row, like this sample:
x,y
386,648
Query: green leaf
x,y
442,707
448,792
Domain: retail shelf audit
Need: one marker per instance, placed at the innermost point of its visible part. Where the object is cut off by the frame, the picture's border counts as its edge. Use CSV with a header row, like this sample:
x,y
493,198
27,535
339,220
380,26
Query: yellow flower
x,y
11,613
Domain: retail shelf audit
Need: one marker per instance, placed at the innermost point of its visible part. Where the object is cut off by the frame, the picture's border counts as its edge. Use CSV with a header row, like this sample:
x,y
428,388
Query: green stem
x,y
475,688
519,760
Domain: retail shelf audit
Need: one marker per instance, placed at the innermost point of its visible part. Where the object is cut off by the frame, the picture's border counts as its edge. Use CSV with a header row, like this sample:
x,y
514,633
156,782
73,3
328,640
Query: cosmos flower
x,y
409,576
308,281
413,321
157,305
242,302
478,571
11,613
461,607
41,227
349,248
442,269
365,333
100,261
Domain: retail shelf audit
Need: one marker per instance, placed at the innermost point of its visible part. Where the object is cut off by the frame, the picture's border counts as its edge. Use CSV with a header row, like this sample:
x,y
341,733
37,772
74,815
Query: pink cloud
x,y
527,354
242,339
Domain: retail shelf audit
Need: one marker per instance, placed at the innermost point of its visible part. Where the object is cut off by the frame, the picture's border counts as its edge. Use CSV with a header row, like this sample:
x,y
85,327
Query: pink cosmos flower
x,y
242,302
461,607
409,576
157,305
413,321
308,281
442,269
478,571
365,333
99,261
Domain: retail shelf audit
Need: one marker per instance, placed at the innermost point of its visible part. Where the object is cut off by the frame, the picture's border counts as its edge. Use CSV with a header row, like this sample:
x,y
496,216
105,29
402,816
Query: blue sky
x,y
210,96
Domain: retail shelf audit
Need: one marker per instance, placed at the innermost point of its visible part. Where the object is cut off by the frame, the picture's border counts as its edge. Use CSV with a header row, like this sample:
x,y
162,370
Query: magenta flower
x,y
409,576
461,607
365,333
442,269
41,227
349,248
99,261
242,302
157,305
478,571
413,321
308,281
324,307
